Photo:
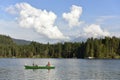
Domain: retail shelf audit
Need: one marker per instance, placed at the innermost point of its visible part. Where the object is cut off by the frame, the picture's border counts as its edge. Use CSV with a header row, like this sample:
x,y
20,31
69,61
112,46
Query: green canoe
x,y
39,67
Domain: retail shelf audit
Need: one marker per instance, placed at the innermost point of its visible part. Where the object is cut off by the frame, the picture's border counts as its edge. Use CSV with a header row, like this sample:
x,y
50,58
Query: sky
x,y
59,20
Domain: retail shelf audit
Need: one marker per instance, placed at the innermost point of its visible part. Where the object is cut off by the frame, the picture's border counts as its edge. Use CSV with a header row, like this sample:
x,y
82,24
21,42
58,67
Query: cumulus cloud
x,y
40,20
95,31
11,10
73,16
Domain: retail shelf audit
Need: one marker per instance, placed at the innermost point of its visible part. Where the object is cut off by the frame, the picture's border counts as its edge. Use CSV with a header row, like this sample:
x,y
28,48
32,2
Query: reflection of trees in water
x,y
49,74
48,70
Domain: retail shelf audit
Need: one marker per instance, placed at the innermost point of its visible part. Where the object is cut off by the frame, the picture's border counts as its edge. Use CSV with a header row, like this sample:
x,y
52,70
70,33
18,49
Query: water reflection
x,y
65,69
38,74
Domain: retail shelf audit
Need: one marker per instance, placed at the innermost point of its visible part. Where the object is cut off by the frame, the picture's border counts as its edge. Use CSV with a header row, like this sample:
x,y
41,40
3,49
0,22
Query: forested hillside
x,y
97,48
21,42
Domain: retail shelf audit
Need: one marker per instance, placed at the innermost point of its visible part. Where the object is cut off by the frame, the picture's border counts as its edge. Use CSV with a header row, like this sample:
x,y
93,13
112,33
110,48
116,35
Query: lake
x,y
65,69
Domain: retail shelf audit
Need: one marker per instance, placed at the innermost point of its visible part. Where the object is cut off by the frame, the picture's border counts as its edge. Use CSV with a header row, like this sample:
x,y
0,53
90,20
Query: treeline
x,y
96,48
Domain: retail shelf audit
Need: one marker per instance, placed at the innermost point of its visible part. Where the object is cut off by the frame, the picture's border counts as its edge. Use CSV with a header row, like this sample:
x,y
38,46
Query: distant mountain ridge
x,y
27,42
7,40
79,39
21,42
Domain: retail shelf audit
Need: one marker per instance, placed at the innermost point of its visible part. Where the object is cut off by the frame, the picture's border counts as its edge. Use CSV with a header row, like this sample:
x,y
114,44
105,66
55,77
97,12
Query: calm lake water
x,y
65,69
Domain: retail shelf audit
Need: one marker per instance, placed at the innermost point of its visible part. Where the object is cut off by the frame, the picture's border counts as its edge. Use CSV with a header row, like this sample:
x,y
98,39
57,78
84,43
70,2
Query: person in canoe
x,y
35,64
48,64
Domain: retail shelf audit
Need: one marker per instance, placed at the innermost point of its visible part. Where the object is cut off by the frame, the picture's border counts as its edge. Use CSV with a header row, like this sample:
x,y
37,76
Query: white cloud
x,y
40,20
95,31
43,22
73,16
11,10
13,30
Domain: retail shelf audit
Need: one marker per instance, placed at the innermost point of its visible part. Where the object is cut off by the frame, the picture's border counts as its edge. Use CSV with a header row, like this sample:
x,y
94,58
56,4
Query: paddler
x,y
48,64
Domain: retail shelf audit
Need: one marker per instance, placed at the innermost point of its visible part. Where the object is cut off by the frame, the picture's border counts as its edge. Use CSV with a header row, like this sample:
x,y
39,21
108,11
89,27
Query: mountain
x,y
21,42
79,39
6,40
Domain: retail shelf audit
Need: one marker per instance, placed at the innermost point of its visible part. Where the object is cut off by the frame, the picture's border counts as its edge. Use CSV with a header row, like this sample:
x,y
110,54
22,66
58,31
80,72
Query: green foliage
x,y
97,48
6,40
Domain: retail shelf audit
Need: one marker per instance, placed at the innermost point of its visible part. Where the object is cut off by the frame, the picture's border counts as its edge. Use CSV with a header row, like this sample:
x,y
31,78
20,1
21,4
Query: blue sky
x,y
101,15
